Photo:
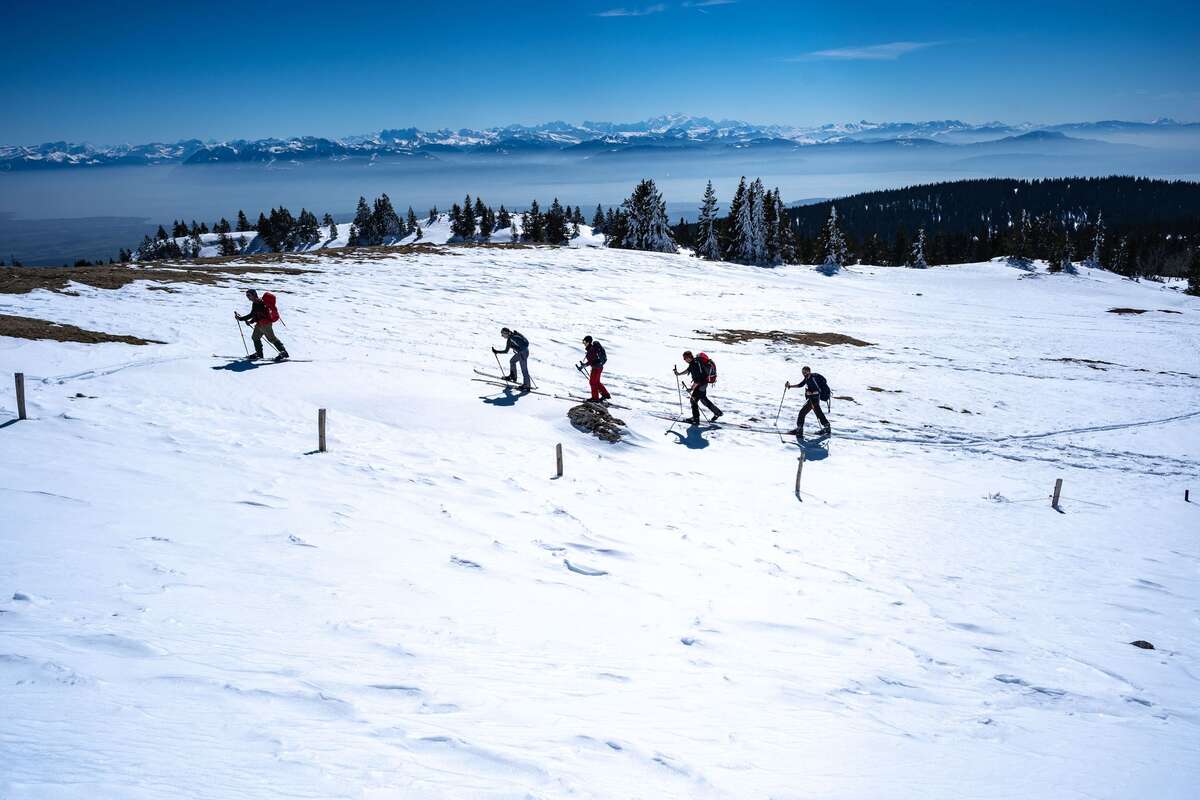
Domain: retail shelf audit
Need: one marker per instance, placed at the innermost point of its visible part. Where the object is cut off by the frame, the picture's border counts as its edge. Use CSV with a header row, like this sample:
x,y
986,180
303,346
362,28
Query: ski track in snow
x,y
195,603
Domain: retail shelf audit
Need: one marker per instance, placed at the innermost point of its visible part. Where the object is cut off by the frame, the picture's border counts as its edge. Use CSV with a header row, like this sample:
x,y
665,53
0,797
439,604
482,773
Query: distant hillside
x,y
971,205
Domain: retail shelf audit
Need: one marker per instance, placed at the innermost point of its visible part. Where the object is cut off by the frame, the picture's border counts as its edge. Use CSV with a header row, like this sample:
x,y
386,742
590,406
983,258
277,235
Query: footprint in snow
x,y
296,540
463,562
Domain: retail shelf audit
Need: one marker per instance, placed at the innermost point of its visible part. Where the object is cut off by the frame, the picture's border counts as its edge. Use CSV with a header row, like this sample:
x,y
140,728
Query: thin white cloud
x,y
707,3
889,51
633,12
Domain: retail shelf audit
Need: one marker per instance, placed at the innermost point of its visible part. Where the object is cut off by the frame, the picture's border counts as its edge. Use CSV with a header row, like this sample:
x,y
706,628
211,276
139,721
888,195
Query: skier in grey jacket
x,y
517,343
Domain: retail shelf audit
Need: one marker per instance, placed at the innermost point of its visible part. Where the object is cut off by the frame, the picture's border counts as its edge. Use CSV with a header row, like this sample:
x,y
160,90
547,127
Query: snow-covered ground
x,y
436,232
195,605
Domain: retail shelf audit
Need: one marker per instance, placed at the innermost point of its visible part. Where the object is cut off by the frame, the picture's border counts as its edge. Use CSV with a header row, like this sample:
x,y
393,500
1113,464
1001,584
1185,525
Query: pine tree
x,y
646,226
433,215
734,243
243,224
485,218
533,227
360,228
772,247
161,234
387,224
758,222
503,219
598,220
707,246
332,226
556,224
411,220
226,245
456,222
513,235
917,259
1095,260
180,229
787,238
832,245
467,220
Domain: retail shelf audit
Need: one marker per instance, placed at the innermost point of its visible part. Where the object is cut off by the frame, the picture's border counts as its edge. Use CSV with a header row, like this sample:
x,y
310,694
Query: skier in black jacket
x,y
702,372
520,347
816,389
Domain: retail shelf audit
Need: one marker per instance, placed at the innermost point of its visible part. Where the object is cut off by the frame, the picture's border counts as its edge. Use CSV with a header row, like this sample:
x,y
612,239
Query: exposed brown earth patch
x,y
889,391
845,397
739,335
1127,311
19,280
30,328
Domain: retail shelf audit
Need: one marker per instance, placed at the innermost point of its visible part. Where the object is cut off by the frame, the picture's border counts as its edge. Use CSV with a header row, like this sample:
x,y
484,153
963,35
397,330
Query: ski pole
x,y
678,388
781,399
241,333
497,357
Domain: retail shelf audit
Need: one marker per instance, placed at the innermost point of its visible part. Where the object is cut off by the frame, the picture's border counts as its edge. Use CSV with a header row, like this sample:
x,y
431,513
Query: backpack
x,y
601,356
519,342
710,367
268,300
822,386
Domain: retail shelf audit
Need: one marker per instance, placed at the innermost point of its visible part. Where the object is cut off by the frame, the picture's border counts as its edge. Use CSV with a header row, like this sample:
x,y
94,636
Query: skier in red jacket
x,y
595,358
262,316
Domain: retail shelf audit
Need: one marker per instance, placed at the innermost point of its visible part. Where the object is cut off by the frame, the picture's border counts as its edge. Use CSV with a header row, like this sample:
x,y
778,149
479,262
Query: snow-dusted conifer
x,y
707,246
733,243
917,258
646,224
834,245
1094,261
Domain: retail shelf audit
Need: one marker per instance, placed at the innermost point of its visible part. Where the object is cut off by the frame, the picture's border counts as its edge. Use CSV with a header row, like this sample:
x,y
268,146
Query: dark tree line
x,y
1137,227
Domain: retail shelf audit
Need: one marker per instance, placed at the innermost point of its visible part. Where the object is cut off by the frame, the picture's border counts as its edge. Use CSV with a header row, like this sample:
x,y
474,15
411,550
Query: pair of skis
x,y
508,384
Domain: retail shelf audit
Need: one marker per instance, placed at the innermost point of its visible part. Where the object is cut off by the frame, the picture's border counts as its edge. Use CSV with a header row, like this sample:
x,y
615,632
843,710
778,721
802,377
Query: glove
x,y
494,350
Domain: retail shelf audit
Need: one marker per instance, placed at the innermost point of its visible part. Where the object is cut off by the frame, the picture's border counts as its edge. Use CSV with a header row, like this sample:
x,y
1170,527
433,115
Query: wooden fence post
x,y
1057,492
321,430
558,458
20,379
799,471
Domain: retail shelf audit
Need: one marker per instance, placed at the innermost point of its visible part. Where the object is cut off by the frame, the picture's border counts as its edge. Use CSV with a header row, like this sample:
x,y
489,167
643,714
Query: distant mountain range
x,y
673,132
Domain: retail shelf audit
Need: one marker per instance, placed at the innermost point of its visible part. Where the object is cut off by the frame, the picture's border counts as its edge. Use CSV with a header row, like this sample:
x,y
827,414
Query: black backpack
x,y
601,356
519,342
822,385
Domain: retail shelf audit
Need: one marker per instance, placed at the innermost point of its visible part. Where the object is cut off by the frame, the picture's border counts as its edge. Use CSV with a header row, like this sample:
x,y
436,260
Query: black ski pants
x,y
699,394
813,404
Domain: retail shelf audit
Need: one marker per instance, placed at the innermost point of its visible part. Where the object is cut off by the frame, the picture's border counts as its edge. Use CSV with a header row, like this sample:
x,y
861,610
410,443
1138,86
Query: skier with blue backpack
x,y
816,389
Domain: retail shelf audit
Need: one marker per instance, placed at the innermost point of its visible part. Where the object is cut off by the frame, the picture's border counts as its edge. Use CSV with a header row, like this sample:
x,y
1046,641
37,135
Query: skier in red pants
x,y
595,358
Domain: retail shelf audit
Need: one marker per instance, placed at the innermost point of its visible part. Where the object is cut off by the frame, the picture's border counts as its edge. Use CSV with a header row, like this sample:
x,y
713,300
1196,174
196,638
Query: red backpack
x,y
273,312
710,367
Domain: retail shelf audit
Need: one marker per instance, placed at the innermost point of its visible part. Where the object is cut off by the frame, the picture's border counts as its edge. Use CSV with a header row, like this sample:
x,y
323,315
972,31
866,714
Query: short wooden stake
x,y
20,379
1187,495
799,471
321,430
1057,492
558,457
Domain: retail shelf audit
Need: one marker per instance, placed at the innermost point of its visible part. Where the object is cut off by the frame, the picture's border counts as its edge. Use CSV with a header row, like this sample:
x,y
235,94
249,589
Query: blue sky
x,y
135,72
